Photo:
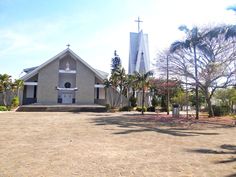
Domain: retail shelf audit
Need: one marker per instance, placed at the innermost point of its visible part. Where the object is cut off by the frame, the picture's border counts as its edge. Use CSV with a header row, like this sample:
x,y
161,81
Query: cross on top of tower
x,y
68,45
138,21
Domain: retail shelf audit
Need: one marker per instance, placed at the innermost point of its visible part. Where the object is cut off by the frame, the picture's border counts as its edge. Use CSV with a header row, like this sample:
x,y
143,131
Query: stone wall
x,y
47,83
85,80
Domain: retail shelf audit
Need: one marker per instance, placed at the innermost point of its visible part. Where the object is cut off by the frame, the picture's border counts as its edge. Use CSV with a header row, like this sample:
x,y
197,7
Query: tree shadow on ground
x,y
135,124
227,149
233,175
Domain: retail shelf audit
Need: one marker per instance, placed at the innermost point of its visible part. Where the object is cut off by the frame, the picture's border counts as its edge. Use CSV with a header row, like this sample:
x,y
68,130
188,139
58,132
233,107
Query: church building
x,y
64,79
139,60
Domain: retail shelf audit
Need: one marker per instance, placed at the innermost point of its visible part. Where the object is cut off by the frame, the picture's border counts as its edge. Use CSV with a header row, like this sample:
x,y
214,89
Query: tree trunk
x,y
18,93
168,90
112,96
210,109
121,100
196,76
133,92
143,101
4,98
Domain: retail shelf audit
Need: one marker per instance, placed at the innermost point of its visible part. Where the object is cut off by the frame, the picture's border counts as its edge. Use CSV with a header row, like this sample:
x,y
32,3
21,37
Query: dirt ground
x,y
114,144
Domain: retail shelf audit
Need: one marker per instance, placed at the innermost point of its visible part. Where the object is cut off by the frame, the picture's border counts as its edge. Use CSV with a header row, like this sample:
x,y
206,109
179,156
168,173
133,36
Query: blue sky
x,y
32,32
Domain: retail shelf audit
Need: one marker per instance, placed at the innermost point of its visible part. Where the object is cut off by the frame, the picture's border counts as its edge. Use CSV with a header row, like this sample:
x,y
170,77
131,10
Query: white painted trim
x,y
67,71
67,89
35,71
30,83
99,86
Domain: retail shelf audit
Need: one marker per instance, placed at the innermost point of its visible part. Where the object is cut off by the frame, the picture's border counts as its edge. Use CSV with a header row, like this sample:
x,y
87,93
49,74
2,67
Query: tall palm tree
x,y
143,81
5,85
193,41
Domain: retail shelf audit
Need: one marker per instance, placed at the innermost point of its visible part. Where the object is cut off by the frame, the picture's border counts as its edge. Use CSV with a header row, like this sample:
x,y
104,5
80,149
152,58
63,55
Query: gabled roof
x,y
34,70
28,70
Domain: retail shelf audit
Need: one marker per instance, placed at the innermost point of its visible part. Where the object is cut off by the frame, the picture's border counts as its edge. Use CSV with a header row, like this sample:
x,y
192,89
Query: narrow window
x,y
97,91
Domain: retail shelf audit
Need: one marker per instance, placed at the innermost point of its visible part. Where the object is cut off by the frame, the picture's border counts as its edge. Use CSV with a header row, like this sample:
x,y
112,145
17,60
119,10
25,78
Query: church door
x,y
67,98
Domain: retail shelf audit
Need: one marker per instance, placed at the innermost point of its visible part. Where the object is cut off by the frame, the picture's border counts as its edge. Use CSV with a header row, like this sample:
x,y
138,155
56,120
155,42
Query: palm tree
x,y
5,85
193,41
130,84
143,81
18,85
228,31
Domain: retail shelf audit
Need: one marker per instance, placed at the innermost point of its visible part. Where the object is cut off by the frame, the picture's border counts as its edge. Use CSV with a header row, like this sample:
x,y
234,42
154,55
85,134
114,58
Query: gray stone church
x,y
64,79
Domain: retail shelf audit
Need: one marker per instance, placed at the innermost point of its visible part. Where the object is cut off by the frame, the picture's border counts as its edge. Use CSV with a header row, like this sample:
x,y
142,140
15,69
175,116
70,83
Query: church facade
x,y
139,60
64,79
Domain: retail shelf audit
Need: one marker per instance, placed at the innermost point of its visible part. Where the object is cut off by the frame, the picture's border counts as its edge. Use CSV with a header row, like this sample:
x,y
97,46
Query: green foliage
x,y
5,82
179,97
192,99
126,108
133,101
226,96
15,102
5,85
108,107
221,110
151,109
3,108
115,62
163,104
139,109
154,101
17,86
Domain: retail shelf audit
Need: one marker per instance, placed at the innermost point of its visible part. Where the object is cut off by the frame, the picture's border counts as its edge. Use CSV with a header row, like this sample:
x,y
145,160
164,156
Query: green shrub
x,y
139,109
221,110
151,109
9,108
126,108
3,108
133,101
154,101
108,107
15,102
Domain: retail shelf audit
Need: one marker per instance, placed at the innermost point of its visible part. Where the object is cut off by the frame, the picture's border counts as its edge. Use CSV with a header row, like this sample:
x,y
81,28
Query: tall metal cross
x,y
68,45
138,21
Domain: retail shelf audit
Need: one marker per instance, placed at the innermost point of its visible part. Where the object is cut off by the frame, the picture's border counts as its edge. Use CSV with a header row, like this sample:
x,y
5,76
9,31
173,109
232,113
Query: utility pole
x,y
167,84
186,80
197,87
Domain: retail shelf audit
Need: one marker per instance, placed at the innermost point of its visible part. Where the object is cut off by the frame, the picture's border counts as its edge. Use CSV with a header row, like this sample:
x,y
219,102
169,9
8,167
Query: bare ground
x,y
115,144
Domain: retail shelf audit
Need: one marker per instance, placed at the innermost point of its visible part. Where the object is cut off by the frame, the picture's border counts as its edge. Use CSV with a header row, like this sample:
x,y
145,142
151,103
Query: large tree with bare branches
x,y
214,57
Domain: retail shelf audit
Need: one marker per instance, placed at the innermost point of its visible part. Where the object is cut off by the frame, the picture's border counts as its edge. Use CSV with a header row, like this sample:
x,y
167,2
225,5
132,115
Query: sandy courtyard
x,y
112,145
